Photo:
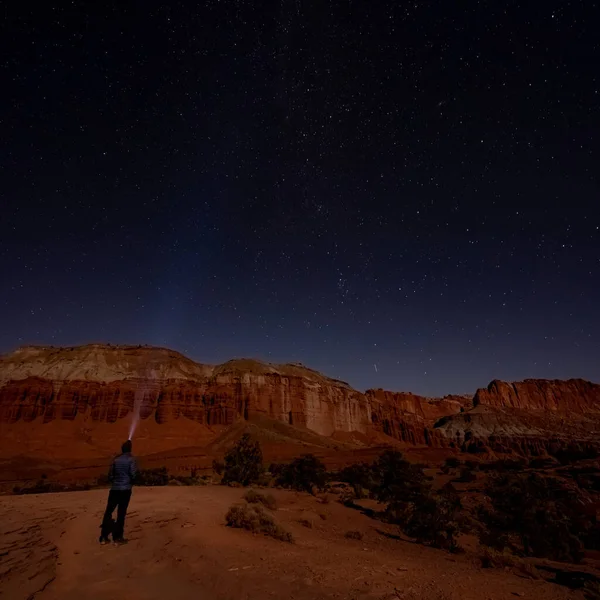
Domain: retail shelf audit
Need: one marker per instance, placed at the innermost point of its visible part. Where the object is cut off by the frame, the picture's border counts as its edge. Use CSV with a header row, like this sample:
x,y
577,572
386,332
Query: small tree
x,y
429,517
304,473
435,519
548,517
359,476
398,481
243,463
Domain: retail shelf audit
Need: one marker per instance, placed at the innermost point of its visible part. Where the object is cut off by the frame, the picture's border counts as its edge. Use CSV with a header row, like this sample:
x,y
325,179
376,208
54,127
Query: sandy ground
x,y
180,549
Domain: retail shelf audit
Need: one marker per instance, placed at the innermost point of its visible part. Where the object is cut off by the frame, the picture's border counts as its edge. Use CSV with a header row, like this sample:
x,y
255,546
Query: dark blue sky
x,y
401,195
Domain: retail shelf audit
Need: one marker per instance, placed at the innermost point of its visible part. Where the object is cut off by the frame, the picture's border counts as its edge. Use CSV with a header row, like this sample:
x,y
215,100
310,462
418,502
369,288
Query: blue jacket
x,y
122,472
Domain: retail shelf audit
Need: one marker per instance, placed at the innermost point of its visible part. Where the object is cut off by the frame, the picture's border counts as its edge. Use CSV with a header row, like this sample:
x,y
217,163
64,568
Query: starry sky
x,y
400,194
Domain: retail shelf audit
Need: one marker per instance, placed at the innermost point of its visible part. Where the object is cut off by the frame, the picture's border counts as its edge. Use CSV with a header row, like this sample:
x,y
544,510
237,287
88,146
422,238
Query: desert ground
x,y
180,548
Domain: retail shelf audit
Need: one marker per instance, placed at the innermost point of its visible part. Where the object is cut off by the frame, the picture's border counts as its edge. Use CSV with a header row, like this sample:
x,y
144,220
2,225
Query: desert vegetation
x,y
254,518
254,497
243,463
520,512
306,473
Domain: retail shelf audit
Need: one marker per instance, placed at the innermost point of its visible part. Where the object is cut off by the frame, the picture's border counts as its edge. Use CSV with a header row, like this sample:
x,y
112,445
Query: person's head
x,y
126,447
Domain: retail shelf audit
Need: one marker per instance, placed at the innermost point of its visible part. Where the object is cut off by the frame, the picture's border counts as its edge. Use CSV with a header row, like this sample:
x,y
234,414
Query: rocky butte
x,y
81,401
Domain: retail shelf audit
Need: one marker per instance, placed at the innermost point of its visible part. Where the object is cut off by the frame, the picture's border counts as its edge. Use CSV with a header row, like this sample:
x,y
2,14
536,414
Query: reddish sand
x,y
180,549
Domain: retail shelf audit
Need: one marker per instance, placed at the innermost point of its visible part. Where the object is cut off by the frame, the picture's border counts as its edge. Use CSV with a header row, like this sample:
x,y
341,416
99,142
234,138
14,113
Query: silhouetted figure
x,y
121,474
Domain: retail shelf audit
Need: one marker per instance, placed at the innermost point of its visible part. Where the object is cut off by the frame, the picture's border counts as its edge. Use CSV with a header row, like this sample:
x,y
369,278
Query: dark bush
x,y
452,462
354,535
575,452
159,476
358,475
429,517
466,475
505,465
397,480
548,517
218,466
306,523
254,518
276,469
434,519
304,473
243,463
254,497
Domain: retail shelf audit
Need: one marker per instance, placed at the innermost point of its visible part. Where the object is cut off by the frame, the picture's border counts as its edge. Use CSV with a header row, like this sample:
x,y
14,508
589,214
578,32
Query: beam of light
x,y
376,371
137,404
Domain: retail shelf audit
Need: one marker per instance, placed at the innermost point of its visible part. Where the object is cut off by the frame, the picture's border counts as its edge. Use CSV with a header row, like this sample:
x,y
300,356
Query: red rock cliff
x,y
91,393
573,395
96,384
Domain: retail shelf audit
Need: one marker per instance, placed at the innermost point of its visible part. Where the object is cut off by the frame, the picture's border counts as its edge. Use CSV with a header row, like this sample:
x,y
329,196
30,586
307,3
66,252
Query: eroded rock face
x,y
91,386
410,418
107,384
572,395
532,417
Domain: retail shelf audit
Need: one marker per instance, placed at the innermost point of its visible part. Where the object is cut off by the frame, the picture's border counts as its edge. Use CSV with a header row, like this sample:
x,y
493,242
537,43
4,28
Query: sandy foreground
x,y
180,549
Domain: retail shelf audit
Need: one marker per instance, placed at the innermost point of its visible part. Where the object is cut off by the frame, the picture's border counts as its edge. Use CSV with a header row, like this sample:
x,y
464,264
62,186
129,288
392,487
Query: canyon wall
x,y
572,395
90,393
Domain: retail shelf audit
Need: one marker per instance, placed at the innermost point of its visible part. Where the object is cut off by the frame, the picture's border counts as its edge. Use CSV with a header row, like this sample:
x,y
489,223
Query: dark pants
x,y
118,499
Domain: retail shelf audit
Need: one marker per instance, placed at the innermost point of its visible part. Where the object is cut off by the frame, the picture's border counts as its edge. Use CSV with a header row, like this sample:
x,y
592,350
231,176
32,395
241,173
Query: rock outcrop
x,y
531,417
92,393
409,417
573,395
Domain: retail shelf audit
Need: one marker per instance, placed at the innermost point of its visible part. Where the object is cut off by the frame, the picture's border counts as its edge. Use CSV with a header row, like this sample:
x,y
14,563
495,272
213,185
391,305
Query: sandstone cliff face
x,y
107,384
100,388
530,417
409,418
573,395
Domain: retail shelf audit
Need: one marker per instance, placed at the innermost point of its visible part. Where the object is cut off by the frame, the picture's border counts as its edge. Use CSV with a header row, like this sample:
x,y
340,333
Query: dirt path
x,y
180,549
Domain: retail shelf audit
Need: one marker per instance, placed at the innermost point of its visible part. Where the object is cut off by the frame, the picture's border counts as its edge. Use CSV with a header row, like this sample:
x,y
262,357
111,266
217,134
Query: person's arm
x,y
132,469
111,472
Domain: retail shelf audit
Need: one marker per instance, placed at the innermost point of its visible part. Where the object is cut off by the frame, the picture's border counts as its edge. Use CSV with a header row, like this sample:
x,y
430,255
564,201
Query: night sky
x,y
399,194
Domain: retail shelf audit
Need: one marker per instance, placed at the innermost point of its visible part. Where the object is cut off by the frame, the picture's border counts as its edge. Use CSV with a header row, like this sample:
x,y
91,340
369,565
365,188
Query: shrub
x,y
397,480
218,466
184,480
429,517
159,476
276,469
434,519
452,462
306,523
254,518
467,476
304,473
354,535
491,558
243,463
254,497
544,514
359,476
575,452
505,465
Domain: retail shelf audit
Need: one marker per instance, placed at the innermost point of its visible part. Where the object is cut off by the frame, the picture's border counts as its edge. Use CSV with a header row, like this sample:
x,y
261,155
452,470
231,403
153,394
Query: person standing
x,y
121,474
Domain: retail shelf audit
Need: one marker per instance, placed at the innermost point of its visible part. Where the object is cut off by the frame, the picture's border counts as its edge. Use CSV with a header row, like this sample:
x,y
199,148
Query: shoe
x,y
103,540
120,541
